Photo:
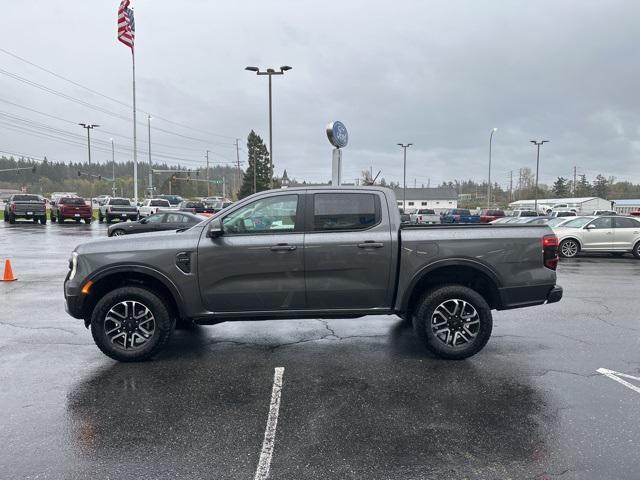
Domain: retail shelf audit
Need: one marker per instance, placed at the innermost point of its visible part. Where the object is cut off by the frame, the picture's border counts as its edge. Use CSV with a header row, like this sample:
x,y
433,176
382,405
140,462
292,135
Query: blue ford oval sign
x,y
338,135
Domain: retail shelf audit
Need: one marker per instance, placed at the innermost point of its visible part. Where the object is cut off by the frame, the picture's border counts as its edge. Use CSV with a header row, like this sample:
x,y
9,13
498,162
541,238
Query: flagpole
x,y
135,138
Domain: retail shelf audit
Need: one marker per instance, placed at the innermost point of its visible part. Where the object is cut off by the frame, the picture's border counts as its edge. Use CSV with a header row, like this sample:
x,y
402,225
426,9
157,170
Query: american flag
x,y
126,25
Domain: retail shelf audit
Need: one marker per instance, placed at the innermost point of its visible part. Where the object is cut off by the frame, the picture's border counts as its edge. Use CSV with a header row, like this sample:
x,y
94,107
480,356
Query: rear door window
x,y
345,211
622,222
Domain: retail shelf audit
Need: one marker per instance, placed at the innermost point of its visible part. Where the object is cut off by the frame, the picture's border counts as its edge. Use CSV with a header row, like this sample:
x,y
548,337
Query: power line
x,y
95,92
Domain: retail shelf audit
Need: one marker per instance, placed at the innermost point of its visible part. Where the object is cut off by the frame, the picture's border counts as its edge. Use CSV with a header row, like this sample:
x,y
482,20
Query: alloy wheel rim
x,y
455,322
569,248
118,233
129,325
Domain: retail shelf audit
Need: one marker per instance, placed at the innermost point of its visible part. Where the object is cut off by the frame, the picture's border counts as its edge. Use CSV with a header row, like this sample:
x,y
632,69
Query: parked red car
x,y
71,208
490,214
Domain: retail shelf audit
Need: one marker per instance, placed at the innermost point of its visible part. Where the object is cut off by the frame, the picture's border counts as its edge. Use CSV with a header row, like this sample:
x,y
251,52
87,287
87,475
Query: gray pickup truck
x,y
25,205
310,253
119,208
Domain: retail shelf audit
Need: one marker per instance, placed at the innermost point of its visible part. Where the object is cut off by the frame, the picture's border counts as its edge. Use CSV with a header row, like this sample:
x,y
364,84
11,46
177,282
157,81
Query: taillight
x,y
550,251
12,206
420,217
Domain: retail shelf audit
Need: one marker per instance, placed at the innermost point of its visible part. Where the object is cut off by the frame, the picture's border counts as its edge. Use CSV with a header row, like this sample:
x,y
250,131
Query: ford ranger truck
x,y
310,253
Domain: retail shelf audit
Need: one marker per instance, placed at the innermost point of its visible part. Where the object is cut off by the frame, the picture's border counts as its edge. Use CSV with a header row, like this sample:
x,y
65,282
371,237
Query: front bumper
x,y
73,299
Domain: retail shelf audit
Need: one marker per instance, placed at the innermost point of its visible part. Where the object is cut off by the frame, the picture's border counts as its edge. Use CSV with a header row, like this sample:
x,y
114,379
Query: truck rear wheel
x,y
43,220
131,324
453,322
12,218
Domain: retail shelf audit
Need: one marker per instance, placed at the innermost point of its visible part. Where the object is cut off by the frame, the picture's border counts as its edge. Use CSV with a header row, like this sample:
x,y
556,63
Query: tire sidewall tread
x,y
165,323
430,301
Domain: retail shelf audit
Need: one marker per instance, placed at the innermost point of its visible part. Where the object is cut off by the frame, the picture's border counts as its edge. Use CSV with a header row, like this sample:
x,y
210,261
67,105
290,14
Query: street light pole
x,y
150,164
537,143
89,127
270,72
404,189
113,168
493,130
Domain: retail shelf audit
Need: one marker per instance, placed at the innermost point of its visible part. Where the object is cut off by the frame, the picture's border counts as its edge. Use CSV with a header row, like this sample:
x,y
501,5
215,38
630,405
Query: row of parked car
x,y
72,207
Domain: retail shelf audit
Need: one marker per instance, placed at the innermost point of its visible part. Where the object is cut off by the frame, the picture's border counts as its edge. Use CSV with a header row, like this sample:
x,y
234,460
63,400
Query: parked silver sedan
x,y
606,234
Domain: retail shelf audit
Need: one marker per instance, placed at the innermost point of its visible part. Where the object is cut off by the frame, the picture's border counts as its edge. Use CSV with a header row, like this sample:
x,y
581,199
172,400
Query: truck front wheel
x,y
131,324
453,322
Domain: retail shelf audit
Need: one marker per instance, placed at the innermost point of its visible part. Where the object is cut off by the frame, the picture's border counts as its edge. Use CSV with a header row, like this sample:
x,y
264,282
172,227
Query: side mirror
x,y
143,220
591,226
215,228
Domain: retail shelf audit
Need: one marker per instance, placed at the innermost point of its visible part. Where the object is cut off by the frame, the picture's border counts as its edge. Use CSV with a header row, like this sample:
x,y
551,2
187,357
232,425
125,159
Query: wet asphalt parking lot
x,y
360,398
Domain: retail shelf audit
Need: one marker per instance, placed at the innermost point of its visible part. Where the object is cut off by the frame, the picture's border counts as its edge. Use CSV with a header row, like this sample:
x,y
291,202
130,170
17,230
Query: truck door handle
x,y
370,244
283,247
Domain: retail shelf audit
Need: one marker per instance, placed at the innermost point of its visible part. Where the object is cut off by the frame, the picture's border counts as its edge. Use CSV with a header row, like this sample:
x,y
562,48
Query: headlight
x,y
73,265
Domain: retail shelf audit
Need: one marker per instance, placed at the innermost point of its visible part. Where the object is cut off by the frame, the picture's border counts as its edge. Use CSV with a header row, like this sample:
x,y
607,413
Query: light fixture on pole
x,y
270,72
537,143
493,130
89,127
404,188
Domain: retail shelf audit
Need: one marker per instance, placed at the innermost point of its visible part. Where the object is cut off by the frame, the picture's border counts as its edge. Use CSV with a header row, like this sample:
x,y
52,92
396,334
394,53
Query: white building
x,y
583,205
625,207
439,199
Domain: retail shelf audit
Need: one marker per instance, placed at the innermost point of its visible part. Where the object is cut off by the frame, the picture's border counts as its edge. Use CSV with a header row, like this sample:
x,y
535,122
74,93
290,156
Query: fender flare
x,y
450,262
145,270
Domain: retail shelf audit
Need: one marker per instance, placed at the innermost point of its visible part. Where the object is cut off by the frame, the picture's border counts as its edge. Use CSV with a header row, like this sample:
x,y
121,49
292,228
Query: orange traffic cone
x,y
8,272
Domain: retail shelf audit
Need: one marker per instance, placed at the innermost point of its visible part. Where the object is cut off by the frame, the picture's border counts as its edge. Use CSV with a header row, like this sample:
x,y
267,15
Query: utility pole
x,y
404,188
493,130
238,160
150,165
89,127
575,178
537,144
208,184
511,186
224,186
113,168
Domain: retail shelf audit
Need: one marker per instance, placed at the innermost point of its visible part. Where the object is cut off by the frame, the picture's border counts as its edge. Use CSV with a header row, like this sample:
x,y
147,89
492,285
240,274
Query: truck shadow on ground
x,y
375,405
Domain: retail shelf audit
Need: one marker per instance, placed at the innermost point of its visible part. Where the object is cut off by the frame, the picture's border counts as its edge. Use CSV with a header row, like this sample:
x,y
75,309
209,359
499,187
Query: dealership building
x,y
625,207
583,205
438,199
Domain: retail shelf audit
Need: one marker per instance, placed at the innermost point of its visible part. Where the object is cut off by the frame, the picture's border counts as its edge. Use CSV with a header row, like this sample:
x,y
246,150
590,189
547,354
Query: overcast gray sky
x,y
439,74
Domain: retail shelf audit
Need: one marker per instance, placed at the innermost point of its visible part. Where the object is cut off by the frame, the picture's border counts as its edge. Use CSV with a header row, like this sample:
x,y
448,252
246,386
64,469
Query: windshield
x,y
577,222
119,201
557,221
159,203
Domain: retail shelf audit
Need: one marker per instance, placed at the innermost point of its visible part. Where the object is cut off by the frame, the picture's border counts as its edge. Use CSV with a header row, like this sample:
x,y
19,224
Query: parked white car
x,y
608,234
153,205
524,213
425,216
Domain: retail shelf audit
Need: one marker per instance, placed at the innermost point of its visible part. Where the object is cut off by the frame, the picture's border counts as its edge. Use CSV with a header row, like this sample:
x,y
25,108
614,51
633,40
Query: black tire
x,y
163,328
100,217
636,250
88,220
569,248
476,331
118,232
12,219
43,220
35,220
107,219
53,217
60,219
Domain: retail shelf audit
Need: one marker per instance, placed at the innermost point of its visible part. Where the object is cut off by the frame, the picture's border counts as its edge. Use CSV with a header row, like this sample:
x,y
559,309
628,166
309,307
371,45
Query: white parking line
x,y
262,472
613,375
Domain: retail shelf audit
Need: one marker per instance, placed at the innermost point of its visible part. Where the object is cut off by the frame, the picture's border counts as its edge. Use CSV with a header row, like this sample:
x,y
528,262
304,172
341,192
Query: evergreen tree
x,y
583,188
258,167
601,186
560,187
